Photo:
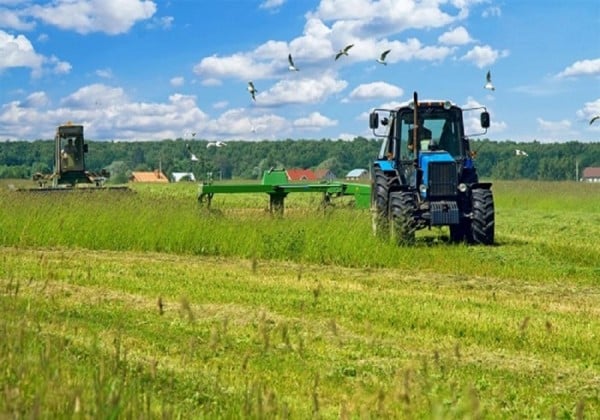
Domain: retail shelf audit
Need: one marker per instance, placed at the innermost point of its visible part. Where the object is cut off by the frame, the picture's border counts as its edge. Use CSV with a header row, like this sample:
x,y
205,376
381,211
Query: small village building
x,y
324,175
154,176
300,175
356,174
591,174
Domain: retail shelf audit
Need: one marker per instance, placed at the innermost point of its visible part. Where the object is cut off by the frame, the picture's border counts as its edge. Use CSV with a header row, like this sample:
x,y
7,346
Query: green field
x,y
145,305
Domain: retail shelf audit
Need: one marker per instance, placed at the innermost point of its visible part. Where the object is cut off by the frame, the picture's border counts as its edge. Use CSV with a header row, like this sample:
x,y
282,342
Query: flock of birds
x,y
381,60
344,51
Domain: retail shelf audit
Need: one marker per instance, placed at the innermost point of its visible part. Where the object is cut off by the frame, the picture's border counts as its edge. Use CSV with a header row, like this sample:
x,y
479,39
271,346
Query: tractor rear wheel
x,y
379,199
482,223
403,207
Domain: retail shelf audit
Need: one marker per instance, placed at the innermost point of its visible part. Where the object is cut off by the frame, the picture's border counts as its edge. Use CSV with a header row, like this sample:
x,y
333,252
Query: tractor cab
x,y
69,167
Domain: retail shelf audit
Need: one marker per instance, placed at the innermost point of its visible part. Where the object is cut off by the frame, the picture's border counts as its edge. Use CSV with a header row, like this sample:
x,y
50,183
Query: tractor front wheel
x,y
402,208
482,222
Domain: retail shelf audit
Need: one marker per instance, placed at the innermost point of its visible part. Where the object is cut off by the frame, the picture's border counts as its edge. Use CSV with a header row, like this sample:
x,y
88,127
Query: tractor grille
x,y
443,179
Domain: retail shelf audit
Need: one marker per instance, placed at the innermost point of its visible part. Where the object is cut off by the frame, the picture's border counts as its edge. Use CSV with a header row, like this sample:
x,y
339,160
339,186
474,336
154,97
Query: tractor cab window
x,y
438,130
389,146
71,152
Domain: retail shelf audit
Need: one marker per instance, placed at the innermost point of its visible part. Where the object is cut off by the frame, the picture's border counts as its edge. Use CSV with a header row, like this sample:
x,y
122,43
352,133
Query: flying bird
x,y
520,152
292,66
488,84
381,59
594,119
343,51
252,90
216,144
193,157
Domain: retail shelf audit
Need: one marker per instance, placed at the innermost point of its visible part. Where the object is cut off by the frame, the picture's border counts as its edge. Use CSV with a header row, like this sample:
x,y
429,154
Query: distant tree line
x,y
243,159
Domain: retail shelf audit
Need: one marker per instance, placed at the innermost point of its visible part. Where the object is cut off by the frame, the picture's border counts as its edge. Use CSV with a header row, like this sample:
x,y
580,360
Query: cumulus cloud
x,y
582,68
375,90
301,91
589,110
87,16
104,73
14,19
314,121
17,51
456,36
483,56
36,100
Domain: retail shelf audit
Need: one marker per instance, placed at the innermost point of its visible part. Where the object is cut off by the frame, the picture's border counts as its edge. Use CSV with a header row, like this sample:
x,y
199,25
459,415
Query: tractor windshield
x,y
71,148
439,129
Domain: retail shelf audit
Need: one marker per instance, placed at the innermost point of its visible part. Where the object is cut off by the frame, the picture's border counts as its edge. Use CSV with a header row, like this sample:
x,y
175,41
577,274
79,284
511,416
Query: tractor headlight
x,y
447,105
462,187
423,188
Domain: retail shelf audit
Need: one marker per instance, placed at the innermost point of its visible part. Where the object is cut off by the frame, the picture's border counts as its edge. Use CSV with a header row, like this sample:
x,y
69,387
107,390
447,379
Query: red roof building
x,y
591,174
300,175
154,176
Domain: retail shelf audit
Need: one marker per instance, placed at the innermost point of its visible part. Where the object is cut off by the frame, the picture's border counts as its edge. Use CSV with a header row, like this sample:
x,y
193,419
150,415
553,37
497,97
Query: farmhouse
x,y
591,174
356,174
154,176
324,174
300,175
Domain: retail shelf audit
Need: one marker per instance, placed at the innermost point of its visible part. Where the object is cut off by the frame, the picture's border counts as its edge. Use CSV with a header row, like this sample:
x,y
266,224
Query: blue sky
x,y
148,70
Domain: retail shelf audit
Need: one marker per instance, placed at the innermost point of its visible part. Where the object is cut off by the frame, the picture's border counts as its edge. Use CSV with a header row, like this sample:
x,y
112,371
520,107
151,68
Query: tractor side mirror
x,y
373,120
485,119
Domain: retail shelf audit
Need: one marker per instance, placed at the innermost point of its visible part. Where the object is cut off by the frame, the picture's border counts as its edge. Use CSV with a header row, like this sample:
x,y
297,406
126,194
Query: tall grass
x,y
543,230
147,305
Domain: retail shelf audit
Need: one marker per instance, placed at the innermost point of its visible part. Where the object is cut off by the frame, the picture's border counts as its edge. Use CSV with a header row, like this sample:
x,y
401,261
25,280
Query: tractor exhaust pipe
x,y
415,123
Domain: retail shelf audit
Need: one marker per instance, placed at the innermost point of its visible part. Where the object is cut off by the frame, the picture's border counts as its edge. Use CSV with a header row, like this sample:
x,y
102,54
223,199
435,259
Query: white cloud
x,y
58,66
553,126
582,68
300,91
164,22
314,121
456,36
376,90
17,51
36,100
220,105
271,4
86,16
104,73
241,66
14,20
483,56
589,110
492,11
177,81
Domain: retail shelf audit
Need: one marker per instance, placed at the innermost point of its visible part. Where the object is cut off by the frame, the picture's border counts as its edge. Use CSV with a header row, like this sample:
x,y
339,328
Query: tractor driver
x,y
68,154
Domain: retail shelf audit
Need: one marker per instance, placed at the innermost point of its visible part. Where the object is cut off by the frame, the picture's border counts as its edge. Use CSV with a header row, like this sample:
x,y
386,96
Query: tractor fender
x,y
482,185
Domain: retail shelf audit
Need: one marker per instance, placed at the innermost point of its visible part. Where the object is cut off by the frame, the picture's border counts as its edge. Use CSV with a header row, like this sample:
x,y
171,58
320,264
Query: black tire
x,y
482,223
379,200
403,206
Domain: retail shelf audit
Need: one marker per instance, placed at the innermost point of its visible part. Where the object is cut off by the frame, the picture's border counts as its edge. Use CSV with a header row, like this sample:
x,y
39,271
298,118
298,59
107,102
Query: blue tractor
x,y
424,175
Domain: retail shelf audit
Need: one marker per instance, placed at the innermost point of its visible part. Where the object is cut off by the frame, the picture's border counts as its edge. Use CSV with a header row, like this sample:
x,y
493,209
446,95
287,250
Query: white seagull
x,y
488,84
343,51
292,66
252,90
193,157
520,152
381,59
216,144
